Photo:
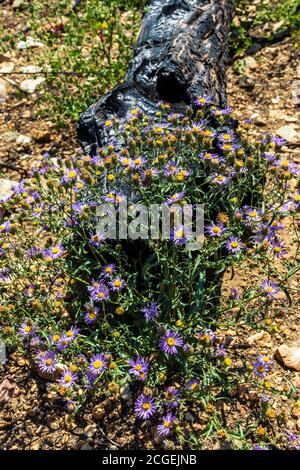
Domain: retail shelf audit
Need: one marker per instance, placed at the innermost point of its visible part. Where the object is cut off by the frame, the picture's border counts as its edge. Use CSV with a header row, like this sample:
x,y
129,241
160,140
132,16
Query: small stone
x,y
30,42
250,62
40,136
3,92
86,447
189,417
296,410
6,188
7,67
288,133
126,393
10,136
158,438
90,430
23,140
30,85
4,424
30,69
98,413
261,339
289,356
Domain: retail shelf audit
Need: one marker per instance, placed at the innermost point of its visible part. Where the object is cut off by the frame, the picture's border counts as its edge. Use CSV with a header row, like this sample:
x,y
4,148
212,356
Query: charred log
x,y
181,53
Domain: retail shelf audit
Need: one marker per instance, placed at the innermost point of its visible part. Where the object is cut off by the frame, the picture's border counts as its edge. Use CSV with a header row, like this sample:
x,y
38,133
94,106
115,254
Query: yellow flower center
x,y
138,367
170,341
72,174
48,362
100,295
146,406
216,230
179,234
97,364
252,214
117,283
55,338
167,424
55,250
28,329
234,244
67,378
69,333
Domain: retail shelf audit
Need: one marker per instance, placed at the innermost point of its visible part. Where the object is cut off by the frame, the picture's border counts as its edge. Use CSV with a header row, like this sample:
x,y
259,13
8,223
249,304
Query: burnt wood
x,y
180,53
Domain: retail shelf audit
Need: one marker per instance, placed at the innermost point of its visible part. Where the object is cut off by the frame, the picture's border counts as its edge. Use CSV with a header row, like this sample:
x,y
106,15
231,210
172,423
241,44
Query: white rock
x,y
30,42
250,62
3,92
7,67
262,338
90,430
23,139
30,85
10,136
6,187
288,133
30,69
289,356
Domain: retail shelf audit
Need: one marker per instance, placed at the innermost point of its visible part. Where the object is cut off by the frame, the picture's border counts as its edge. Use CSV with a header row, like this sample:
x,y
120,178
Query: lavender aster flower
x,y
270,289
234,245
215,230
99,293
170,342
193,385
180,235
47,361
68,379
150,312
72,333
166,425
175,198
145,406
171,397
108,270
138,366
117,284
97,364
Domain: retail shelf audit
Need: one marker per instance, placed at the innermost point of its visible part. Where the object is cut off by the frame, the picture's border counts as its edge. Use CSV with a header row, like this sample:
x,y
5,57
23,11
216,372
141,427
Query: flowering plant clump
x,y
98,313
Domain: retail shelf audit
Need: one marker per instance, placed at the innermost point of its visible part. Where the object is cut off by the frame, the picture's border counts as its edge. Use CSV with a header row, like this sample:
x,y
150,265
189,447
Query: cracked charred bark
x,y
181,53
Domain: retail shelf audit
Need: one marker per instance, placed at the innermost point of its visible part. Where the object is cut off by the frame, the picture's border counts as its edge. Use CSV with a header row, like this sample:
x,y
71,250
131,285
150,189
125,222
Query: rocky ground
x,y
263,86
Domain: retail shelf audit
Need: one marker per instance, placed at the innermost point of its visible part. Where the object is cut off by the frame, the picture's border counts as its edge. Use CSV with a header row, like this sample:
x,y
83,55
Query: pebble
x,y
7,67
250,62
30,84
3,92
288,133
90,430
23,140
30,42
289,356
6,187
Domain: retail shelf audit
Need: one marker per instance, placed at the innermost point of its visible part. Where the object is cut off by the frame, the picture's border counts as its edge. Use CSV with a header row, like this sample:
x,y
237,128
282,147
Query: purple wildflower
x,y
47,361
145,406
108,270
99,293
270,289
97,364
171,397
117,284
139,367
180,235
202,101
91,315
68,379
234,245
166,425
170,342
97,239
150,312
193,385
215,230
175,198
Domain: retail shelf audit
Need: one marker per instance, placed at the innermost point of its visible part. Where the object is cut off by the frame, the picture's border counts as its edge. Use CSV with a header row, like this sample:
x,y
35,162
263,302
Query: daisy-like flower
x,y
202,101
226,137
171,397
117,284
150,312
97,364
207,336
99,293
149,173
175,198
68,379
53,252
180,235
252,214
220,180
234,293
91,315
171,169
138,366
294,441
5,226
70,175
47,361
166,425
170,342
215,230
138,162
71,405
71,333
278,249
145,406
270,289
234,245
108,270
193,385
27,329
97,239
261,366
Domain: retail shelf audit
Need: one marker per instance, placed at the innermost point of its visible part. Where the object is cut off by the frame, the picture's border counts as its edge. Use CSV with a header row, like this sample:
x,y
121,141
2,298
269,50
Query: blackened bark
x,y
181,53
